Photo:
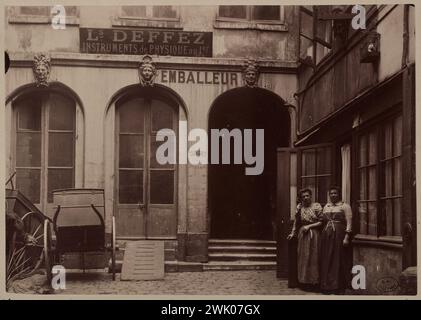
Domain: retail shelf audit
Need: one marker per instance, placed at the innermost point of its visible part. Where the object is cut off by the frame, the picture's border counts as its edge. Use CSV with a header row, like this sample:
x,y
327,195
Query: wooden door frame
x,y
147,99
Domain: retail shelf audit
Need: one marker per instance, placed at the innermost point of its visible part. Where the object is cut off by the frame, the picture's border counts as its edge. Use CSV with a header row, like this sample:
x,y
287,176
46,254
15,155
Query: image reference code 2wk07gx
x,y
218,309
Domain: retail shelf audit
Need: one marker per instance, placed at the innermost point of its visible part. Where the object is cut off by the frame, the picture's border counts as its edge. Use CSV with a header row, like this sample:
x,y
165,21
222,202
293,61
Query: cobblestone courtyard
x,y
184,283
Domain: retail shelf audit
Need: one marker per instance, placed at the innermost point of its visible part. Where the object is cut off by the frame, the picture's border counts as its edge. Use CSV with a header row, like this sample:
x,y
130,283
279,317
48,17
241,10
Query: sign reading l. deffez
x,y
144,41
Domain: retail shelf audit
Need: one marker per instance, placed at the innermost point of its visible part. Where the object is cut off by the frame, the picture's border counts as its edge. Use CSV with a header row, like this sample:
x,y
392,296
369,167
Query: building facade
x,y
85,104
96,83
356,129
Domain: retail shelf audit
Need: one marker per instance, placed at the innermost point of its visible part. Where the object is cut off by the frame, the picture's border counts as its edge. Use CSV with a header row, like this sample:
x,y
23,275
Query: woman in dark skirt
x,y
335,242
308,219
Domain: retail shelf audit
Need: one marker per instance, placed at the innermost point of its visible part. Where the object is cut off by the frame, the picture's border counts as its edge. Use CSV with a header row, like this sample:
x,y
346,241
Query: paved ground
x,y
184,283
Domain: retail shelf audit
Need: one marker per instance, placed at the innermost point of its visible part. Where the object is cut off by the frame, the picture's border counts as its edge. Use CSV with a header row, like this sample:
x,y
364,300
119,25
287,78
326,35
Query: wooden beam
x,y
409,210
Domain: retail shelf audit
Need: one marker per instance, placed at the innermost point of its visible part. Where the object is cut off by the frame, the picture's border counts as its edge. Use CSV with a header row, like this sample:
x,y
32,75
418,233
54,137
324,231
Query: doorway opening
x,y
244,206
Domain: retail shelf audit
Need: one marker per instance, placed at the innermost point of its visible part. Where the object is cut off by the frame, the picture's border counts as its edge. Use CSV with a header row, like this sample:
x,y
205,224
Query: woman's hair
x,y
306,190
337,188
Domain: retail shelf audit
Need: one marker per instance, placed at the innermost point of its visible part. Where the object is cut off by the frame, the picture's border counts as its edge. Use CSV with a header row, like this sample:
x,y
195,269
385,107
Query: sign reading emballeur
x,y
145,41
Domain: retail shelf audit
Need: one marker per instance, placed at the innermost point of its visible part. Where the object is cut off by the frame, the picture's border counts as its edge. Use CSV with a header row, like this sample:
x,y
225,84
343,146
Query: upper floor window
x,y
148,16
41,14
150,12
315,34
264,14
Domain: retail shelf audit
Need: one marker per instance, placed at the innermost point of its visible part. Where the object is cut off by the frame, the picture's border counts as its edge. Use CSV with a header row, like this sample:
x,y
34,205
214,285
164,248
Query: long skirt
x,y
308,256
333,258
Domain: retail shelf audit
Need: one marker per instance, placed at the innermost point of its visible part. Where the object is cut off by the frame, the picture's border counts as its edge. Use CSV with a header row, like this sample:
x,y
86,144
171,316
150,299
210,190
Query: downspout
x,y
405,51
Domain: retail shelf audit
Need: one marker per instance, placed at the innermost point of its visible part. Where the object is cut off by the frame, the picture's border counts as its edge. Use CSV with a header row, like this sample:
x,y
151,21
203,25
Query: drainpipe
x,y
405,52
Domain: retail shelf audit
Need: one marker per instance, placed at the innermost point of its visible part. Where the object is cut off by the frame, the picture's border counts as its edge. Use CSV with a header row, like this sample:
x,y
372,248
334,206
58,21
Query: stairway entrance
x,y
241,254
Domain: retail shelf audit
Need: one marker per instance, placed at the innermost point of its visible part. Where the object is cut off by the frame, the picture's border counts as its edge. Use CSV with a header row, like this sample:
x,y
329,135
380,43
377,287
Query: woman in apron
x,y
308,220
335,242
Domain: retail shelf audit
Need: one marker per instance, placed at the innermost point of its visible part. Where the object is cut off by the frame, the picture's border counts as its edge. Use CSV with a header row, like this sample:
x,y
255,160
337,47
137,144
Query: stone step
x,y
182,266
169,252
170,266
242,249
242,256
239,265
241,242
168,244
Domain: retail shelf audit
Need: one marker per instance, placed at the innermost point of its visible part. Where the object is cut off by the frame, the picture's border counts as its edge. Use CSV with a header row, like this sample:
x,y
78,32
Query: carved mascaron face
x,y
250,77
147,73
42,69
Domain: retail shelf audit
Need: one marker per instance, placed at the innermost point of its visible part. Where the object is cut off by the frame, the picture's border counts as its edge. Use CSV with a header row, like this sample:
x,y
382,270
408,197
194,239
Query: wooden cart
x,y
23,257
79,225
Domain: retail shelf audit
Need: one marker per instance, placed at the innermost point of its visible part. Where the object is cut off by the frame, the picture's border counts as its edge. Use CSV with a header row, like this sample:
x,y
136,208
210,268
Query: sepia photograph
x,y
250,149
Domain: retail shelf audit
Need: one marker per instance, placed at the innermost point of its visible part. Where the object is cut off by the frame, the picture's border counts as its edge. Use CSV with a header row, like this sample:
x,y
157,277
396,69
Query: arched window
x,y
44,145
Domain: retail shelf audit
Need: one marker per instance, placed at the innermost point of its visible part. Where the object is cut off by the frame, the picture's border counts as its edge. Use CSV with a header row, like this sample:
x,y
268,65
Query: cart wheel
x,y
34,226
113,248
24,258
47,250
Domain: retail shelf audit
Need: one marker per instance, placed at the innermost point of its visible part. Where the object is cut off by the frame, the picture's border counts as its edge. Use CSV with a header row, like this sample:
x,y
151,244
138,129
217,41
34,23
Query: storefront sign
x,y
144,41
199,77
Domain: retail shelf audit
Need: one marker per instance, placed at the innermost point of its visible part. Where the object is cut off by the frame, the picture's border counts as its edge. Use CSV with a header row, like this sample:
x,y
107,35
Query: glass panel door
x,y
145,188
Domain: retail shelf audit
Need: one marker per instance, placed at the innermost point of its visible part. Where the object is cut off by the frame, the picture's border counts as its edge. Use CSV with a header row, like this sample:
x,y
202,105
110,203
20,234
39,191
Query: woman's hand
x,y
290,236
306,228
346,240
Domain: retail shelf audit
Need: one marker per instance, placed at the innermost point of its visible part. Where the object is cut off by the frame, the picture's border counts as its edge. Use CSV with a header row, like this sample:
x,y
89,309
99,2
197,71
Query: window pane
x,y
310,8
309,162
36,11
397,179
322,189
131,186
266,13
154,146
372,151
323,161
28,182
372,183
239,12
60,149
132,116
162,116
28,149
71,11
362,210
363,184
388,141
29,115
164,12
131,151
162,187
363,151
59,179
372,218
322,51
388,192
389,216
306,48
133,11
306,25
397,141
397,217
61,113
310,183
324,28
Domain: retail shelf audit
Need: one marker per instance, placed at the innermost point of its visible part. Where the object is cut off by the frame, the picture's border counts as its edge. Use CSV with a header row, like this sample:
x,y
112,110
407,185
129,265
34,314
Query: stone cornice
x,y
24,60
